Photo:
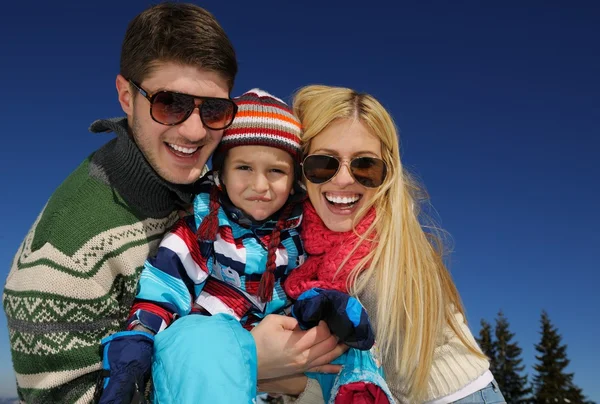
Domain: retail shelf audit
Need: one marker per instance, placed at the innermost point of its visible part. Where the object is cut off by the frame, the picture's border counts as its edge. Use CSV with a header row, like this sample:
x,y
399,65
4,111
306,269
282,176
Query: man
x,y
73,279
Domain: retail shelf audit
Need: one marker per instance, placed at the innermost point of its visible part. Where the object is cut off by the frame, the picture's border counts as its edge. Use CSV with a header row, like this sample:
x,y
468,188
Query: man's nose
x,y
192,128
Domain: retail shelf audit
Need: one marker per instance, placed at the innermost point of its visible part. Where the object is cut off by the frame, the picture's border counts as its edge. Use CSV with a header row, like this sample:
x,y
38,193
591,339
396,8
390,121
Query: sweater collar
x,y
129,173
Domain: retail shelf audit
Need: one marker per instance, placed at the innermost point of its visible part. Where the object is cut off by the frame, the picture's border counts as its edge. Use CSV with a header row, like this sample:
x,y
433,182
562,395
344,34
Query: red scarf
x,y
326,250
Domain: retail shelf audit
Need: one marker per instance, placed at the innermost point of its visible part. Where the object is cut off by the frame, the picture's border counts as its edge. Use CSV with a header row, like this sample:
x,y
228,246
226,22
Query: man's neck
x,y
122,165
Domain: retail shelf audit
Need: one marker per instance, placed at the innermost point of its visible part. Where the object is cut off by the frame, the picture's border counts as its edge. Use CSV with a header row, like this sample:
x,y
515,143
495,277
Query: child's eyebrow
x,y
240,161
279,163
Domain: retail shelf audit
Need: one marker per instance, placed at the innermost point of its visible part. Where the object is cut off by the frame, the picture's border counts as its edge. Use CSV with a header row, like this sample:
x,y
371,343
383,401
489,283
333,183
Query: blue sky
x,y
498,105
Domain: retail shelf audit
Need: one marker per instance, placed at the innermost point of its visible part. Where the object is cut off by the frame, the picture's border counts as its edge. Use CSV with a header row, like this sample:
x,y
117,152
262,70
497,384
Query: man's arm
x,y
71,284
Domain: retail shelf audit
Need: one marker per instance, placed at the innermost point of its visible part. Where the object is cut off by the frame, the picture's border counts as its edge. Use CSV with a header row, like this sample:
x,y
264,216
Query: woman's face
x,y
338,200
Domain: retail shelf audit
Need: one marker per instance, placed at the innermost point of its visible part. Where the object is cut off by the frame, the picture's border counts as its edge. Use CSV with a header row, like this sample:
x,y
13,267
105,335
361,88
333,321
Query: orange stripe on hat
x,y
263,120
274,115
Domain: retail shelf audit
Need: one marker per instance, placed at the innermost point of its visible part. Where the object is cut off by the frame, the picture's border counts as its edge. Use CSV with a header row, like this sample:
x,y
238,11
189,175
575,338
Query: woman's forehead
x,y
346,137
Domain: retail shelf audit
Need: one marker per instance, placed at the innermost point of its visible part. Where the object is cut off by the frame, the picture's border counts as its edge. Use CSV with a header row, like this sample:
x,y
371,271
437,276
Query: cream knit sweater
x,y
454,366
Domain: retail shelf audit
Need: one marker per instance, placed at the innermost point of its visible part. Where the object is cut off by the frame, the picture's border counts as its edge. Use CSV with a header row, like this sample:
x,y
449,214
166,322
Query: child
x,y
230,257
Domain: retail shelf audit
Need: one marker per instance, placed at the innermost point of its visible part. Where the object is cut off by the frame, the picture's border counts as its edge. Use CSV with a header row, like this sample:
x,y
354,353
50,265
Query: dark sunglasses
x,y
367,171
171,108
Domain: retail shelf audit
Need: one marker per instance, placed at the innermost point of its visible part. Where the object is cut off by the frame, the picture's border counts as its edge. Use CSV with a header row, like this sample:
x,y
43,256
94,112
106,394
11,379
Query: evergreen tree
x,y
551,382
575,395
508,369
486,344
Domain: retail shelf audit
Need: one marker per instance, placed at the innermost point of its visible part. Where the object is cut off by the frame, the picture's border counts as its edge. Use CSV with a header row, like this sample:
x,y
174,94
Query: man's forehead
x,y
187,79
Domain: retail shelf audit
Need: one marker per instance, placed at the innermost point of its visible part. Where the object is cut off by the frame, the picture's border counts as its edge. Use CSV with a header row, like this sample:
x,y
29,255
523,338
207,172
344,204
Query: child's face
x,y
258,179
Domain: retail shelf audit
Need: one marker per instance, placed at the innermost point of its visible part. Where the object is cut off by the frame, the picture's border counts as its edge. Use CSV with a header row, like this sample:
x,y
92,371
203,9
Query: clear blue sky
x,y
498,107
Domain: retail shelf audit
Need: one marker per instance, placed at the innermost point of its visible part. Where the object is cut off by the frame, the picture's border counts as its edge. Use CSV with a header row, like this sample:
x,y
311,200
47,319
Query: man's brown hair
x,y
180,33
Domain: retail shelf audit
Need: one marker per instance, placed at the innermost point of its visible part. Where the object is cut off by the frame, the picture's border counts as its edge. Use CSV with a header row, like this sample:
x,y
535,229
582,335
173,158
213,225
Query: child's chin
x,y
260,214
259,217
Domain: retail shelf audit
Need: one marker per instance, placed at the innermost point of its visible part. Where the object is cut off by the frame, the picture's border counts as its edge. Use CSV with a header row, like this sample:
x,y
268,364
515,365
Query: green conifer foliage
x,y
485,342
552,383
508,367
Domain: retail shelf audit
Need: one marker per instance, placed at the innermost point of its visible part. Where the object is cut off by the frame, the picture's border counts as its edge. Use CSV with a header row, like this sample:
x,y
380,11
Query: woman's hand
x,y
283,349
289,385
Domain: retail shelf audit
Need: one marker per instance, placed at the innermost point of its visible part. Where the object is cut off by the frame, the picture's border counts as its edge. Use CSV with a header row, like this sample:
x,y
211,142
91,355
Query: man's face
x,y
177,153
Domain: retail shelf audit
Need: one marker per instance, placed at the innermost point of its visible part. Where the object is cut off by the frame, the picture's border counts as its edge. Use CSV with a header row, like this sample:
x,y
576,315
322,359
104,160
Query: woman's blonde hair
x,y
416,297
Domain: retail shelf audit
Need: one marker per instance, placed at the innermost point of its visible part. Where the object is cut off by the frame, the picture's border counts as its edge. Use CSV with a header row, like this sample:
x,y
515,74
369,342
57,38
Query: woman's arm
x,y
283,349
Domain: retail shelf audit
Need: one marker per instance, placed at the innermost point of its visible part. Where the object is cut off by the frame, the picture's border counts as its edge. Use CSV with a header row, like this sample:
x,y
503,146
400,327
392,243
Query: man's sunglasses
x,y
171,108
367,171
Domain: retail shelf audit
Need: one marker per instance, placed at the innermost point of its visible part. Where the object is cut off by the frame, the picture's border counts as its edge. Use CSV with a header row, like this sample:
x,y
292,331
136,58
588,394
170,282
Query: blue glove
x,y
127,361
344,315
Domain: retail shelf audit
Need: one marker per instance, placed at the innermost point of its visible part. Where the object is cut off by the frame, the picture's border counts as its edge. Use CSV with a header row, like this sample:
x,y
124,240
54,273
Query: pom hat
x,y
263,120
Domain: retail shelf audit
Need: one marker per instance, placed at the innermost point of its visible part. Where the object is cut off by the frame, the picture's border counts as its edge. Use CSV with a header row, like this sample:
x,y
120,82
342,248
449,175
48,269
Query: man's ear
x,y
125,95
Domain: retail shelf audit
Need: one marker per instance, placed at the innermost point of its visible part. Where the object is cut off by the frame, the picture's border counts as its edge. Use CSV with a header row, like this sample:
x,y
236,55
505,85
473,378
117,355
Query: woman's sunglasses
x,y
367,171
171,108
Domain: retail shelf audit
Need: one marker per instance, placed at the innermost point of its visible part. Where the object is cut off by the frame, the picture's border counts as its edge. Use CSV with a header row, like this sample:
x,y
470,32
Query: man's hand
x,y
283,349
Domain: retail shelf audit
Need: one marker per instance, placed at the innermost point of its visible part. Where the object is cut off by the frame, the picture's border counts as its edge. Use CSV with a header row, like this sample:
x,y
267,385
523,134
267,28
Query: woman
x,y
352,164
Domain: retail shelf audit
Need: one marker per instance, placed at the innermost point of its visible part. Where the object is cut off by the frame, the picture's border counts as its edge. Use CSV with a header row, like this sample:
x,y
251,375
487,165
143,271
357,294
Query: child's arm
x,y
127,361
166,289
169,281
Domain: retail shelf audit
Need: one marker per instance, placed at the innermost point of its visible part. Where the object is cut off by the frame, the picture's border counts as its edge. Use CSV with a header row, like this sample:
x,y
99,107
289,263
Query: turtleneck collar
x,y
122,165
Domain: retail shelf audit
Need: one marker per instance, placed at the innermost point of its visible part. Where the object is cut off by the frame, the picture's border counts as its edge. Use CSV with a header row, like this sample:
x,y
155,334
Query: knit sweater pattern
x,y
74,276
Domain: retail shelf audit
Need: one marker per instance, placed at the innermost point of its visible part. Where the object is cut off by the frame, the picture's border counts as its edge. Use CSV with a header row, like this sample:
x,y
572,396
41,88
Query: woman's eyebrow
x,y
335,153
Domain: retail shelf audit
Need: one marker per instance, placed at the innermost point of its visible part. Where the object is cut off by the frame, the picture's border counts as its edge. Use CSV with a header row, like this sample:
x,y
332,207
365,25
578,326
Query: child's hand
x,y
127,360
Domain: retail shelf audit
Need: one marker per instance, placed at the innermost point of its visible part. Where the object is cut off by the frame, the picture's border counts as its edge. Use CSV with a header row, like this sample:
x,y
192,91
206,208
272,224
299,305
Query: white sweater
x,y
454,366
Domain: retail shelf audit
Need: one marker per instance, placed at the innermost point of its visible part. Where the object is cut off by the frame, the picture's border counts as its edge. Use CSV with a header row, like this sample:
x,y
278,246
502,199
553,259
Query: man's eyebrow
x,y
172,90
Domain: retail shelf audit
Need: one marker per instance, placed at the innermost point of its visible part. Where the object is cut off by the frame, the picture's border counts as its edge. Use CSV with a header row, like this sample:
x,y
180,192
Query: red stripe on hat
x,y
261,131
275,103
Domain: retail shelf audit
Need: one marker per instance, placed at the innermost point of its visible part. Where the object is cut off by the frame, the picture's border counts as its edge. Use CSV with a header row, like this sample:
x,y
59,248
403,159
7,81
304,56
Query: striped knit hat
x,y
263,120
